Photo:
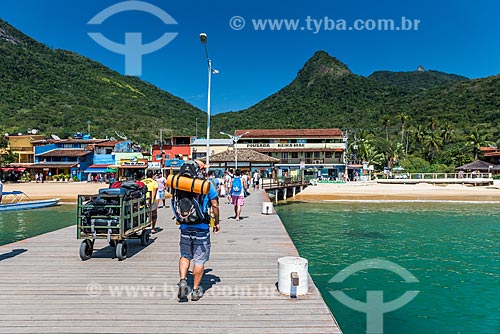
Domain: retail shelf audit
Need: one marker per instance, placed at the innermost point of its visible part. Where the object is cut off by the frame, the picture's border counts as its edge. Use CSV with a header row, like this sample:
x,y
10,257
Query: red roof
x,y
488,149
109,143
291,133
492,154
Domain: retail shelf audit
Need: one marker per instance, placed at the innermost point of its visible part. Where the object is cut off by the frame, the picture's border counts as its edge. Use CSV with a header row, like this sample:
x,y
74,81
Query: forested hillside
x,y
58,91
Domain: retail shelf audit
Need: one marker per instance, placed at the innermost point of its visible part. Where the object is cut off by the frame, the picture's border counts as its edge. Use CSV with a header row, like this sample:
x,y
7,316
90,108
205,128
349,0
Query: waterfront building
x,y
319,152
199,147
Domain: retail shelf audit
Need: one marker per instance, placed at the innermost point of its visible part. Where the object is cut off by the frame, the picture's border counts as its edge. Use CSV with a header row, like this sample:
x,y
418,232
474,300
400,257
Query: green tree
x,y
371,156
433,143
477,138
404,118
448,132
391,151
386,120
432,123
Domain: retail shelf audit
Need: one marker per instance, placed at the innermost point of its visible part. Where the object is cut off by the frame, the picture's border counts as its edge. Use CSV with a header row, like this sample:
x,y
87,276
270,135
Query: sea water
x,y
19,225
452,249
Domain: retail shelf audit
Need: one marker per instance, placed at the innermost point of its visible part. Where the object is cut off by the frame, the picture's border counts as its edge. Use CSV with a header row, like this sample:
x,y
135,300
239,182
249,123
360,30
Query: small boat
x,y
21,201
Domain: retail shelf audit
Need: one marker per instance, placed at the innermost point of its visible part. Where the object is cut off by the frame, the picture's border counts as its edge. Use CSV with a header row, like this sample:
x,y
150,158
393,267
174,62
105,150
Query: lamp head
x,y
203,38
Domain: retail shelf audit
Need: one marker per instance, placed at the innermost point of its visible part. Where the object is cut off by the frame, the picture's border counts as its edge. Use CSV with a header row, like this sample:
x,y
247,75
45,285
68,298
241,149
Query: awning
x,y
96,170
11,169
44,165
133,166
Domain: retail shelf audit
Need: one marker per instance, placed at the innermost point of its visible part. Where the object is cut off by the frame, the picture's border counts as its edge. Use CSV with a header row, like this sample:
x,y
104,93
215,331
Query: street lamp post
x,y
211,70
235,141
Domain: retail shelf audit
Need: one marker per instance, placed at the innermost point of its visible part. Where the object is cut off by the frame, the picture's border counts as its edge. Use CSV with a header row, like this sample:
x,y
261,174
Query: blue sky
x,y
461,37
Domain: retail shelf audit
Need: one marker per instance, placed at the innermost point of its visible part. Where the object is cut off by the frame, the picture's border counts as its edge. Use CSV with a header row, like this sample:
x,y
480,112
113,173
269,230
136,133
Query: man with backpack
x,y
237,191
192,211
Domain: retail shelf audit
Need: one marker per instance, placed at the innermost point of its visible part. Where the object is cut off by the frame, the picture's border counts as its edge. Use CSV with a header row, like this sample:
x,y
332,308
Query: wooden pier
x,y
46,288
281,190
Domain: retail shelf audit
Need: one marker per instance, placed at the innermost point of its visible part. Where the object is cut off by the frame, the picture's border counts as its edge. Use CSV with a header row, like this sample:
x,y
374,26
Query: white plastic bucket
x,y
293,276
267,208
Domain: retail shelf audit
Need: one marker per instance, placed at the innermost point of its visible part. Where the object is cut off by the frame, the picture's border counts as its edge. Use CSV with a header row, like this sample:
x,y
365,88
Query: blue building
x,y
67,157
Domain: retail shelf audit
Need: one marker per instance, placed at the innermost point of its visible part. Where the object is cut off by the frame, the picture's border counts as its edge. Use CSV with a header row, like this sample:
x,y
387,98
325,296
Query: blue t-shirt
x,y
205,204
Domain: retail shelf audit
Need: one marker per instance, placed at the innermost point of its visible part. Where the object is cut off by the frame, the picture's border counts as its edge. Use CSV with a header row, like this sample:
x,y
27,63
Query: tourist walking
x,y
237,191
151,196
228,176
195,239
1,189
162,185
256,180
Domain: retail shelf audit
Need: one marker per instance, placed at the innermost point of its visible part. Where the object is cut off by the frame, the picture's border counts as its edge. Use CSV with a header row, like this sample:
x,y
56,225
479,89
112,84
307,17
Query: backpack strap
x,y
203,185
177,184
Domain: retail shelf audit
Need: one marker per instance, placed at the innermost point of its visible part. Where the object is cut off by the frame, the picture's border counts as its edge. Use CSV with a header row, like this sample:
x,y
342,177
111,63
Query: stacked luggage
x,y
116,214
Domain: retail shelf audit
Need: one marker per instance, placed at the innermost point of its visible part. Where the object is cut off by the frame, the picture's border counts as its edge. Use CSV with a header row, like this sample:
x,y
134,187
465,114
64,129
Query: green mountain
x,y
327,94
324,94
59,91
415,80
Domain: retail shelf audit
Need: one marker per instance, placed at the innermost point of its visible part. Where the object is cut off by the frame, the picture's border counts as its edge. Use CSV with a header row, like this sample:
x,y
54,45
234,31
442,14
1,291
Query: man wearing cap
x,y
195,242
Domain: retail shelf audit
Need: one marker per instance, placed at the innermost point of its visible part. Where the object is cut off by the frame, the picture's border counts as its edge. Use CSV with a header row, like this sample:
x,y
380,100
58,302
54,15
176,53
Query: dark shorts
x,y
154,214
195,245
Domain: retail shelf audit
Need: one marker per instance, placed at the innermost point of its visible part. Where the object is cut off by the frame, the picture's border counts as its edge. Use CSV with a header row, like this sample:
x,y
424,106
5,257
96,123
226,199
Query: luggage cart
x,y
114,217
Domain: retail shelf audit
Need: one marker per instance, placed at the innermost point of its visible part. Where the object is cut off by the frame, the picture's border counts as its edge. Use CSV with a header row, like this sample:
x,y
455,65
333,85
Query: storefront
x,y
12,174
130,169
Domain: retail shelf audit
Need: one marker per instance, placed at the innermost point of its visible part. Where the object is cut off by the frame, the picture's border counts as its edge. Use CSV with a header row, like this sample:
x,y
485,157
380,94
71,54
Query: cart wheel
x,y
121,250
144,238
86,249
112,243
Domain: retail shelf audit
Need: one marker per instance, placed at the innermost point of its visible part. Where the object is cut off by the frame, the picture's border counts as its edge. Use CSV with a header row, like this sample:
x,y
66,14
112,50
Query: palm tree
x,y
404,118
419,133
433,142
390,150
478,138
432,123
372,156
448,131
386,119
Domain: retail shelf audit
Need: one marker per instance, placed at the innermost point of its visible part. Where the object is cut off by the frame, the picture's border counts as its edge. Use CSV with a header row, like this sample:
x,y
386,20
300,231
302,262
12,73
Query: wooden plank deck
x,y
47,288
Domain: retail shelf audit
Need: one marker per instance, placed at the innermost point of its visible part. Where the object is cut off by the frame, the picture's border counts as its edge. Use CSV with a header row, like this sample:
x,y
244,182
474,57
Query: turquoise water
x,y
19,225
452,250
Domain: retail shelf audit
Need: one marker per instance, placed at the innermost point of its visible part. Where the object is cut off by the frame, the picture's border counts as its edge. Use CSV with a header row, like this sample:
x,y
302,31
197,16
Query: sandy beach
x,y
352,191
371,191
66,191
